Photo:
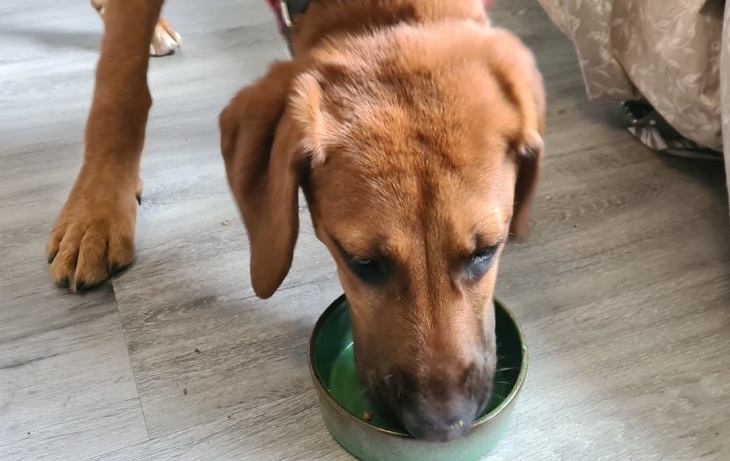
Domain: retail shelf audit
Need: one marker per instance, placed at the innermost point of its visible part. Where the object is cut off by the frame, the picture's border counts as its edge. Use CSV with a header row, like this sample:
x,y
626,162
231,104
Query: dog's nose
x,y
440,423
436,405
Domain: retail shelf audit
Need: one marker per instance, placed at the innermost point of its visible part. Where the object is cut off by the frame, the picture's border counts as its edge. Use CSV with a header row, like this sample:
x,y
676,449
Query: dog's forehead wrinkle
x,y
407,114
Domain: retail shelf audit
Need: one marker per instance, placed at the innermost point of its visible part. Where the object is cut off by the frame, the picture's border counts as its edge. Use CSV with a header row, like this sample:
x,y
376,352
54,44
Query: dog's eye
x,y
369,271
480,262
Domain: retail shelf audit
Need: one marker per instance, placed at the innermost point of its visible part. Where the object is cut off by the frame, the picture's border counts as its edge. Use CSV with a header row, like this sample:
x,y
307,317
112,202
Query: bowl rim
x,y
322,391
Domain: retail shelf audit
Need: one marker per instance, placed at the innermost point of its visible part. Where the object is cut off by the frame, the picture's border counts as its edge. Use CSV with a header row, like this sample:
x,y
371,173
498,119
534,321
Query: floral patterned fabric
x,y
674,54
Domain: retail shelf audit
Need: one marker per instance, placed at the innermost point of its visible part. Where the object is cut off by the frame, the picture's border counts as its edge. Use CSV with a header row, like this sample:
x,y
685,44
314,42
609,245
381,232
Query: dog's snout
x,y
437,406
452,420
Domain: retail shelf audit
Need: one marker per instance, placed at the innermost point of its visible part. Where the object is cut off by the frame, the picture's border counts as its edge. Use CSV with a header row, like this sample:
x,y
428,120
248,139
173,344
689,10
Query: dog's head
x,y
418,154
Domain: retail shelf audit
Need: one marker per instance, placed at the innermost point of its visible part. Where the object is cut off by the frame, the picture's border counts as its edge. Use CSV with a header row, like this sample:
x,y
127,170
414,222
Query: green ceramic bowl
x,y
348,415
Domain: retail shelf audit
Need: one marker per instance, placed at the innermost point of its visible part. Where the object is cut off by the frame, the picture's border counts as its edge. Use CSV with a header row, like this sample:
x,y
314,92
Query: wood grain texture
x,y
623,288
66,386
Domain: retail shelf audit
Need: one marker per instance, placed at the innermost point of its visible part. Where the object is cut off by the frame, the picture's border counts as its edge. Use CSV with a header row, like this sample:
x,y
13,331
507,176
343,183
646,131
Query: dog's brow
x,y
491,230
482,242
353,253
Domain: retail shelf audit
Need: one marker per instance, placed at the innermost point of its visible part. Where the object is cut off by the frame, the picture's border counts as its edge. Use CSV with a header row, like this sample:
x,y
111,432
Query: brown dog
x,y
414,130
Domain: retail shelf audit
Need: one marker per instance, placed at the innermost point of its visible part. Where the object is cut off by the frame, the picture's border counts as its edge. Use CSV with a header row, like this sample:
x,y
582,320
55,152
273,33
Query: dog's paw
x,y
94,235
165,40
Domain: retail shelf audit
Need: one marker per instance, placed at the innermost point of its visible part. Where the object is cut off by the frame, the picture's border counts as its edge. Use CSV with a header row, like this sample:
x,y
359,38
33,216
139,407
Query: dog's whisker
x,y
505,369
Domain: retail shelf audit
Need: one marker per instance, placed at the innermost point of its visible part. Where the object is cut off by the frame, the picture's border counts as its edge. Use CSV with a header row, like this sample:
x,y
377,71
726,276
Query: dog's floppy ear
x,y
515,68
265,143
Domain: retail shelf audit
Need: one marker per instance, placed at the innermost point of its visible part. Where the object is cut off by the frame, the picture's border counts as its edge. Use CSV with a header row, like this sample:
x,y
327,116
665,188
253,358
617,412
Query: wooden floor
x,y
623,289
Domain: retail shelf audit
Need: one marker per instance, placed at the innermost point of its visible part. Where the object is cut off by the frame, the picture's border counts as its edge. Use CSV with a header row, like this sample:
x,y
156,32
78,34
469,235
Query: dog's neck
x,y
289,10
305,23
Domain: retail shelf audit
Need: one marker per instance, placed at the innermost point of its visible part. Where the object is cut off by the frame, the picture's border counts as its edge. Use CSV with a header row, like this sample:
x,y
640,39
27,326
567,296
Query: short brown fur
x,y
414,129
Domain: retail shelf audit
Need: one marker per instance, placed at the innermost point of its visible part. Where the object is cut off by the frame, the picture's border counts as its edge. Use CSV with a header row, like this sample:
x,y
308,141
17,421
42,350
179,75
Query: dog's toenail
x,y
51,257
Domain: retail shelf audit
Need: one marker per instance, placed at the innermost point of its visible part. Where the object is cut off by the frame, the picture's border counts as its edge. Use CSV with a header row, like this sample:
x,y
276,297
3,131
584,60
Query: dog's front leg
x,y
94,235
